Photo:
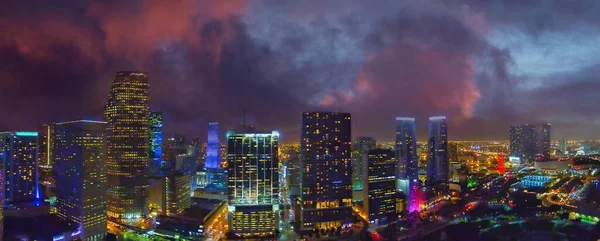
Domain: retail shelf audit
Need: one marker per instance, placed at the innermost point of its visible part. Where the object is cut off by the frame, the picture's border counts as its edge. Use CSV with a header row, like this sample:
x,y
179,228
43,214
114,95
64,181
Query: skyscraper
x,y
178,190
544,141
127,114
18,153
381,187
360,154
213,148
80,154
437,157
406,148
523,141
562,146
45,154
156,142
253,167
325,157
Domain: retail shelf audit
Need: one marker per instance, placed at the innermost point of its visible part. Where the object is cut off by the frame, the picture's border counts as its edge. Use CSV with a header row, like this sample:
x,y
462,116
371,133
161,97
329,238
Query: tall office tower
x,y
213,148
562,146
127,114
544,142
45,152
80,154
253,167
360,154
18,153
325,158
156,141
178,192
381,187
437,157
407,172
523,141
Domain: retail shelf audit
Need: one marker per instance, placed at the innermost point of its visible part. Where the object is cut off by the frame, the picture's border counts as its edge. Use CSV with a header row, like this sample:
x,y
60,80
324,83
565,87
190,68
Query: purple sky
x,y
485,64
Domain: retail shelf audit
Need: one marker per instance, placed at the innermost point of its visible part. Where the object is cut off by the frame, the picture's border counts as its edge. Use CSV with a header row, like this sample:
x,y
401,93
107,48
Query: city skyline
x,y
489,72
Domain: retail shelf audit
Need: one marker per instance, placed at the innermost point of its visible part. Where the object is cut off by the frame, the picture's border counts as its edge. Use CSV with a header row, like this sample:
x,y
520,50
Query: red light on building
x,y
500,163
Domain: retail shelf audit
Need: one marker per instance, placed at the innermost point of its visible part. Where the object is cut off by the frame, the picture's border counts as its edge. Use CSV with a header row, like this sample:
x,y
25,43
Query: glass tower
x,y
381,187
325,156
127,114
253,167
545,141
438,168
156,137
407,172
18,153
523,140
213,155
80,154
360,152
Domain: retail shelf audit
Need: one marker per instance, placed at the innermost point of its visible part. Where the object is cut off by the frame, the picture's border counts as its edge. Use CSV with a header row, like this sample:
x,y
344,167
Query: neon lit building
x,y
253,192
438,166
18,153
360,153
501,163
127,114
381,187
156,135
544,142
81,181
213,148
45,154
407,172
325,156
523,140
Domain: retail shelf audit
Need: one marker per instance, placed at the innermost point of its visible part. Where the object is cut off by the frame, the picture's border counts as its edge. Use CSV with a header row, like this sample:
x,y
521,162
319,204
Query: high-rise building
x,y
253,167
562,146
406,148
45,154
325,158
127,114
1,200
523,141
438,166
381,187
544,142
360,153
18,153
178,192
156,135
213,148
79,158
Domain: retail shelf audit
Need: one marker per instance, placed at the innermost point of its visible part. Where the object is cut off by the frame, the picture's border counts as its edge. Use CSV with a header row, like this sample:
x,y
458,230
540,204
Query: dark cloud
x,y
216,60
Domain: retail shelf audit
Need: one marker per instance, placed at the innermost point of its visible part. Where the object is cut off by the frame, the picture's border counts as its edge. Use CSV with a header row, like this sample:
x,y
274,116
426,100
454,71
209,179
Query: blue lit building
x,y
213,148
406,153
81,176
438,166
156,141
325,156
253,196
18,154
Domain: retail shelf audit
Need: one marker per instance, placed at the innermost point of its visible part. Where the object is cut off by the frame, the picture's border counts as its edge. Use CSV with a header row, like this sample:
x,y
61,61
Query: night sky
x,y
486,64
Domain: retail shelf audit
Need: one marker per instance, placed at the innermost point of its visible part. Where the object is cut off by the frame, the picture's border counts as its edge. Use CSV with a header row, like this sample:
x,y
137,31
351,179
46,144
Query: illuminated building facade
x,y
18,153
523,141
156,135
381,187
438,166
45,154
562,146
407,172
325,158
253,186
544,142
127,114
360,153
500,163
213,153
178,193
81,179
